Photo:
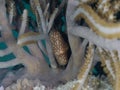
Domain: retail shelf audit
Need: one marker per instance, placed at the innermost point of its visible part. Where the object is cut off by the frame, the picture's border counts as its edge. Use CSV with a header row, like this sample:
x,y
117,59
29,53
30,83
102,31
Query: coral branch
x,y
50,54
98,25
4,52
84,32
44,28
83,73
30,37
73,40
52,19
24,22
107,62
10,63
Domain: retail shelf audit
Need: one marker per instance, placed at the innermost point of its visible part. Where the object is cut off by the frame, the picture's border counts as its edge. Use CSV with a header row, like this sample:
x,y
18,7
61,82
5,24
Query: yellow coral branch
x,y
99,25
82,75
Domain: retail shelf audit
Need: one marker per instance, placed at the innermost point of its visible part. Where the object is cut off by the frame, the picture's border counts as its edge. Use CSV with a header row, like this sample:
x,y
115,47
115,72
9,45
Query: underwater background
x,y
60,23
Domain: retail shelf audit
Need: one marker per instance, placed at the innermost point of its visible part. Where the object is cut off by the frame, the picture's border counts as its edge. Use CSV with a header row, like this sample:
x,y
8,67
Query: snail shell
x,y
59,47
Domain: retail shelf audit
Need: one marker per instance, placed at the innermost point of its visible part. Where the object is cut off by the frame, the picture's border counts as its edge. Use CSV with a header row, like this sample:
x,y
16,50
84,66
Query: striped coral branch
x,y
117,66
24,22
85,68
107,62
29,38
43,23
85,32
4,52
11,10
10,63
100,26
